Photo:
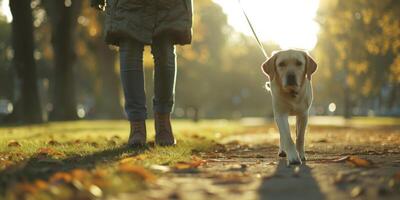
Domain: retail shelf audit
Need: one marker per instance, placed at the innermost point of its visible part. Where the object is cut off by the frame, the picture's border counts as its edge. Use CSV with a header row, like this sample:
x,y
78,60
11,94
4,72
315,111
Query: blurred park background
x,y
54,65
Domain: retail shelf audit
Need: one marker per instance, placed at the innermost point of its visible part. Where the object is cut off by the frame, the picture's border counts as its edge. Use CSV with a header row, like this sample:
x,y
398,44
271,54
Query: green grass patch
x,y
41,161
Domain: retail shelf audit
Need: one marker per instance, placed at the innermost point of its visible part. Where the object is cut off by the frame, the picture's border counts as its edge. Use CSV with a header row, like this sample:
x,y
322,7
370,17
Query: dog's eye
x,y
282,64
299,63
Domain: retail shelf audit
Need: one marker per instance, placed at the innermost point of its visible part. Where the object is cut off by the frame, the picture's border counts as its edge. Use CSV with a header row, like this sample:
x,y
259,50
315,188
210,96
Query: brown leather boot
x,y
137,136
164,135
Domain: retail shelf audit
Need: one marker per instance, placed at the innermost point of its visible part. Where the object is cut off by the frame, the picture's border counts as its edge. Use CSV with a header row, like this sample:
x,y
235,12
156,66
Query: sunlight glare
x,y
5,10
289,23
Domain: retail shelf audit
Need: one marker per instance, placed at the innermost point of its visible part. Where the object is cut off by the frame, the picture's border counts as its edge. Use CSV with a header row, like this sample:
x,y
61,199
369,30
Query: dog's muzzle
x,y
291,80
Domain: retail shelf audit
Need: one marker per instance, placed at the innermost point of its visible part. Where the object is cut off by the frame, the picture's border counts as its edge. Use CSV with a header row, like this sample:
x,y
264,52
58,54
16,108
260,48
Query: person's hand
x,y
98,4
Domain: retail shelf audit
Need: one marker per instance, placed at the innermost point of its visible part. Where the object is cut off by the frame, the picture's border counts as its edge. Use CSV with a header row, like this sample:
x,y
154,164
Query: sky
x,y
289,23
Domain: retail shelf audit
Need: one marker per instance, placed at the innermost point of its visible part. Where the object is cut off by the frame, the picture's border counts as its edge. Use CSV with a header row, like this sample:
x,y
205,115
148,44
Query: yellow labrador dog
x,y
290,75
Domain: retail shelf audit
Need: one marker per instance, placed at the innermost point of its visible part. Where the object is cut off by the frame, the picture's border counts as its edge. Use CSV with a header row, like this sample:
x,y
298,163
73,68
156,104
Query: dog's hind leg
x,y
301,125
287,142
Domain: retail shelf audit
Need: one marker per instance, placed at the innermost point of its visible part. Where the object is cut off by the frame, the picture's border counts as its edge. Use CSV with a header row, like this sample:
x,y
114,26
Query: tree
x,y
63,15
28,107
357,47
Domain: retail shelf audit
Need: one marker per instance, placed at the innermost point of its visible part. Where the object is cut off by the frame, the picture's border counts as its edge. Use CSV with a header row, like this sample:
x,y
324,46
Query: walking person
x,y
132,24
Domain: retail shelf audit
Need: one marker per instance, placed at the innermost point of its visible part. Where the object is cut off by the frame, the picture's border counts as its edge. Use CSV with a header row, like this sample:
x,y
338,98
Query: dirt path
x,y
246,167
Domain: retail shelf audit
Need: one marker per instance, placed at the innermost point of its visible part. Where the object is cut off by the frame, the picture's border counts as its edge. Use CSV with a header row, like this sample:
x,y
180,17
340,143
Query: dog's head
x,y
290,68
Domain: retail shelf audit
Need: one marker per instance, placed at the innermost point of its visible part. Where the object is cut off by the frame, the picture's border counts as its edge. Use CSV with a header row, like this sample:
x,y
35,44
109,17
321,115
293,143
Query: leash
x,y
254,32
268,83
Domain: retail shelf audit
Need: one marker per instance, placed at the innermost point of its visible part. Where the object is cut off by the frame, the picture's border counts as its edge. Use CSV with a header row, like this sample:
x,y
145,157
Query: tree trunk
x,y
108,93
347,112
63,19
29,110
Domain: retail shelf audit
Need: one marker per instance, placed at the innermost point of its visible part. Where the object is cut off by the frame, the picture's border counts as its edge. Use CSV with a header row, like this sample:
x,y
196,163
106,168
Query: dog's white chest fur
x,y
284,103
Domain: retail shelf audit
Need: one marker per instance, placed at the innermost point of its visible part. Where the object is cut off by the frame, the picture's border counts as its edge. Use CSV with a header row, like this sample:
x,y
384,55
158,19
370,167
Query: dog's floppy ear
x,y
268,67
311,65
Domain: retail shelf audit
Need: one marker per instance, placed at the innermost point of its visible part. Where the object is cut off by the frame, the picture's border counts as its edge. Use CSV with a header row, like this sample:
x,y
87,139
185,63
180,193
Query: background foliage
x,y
218,75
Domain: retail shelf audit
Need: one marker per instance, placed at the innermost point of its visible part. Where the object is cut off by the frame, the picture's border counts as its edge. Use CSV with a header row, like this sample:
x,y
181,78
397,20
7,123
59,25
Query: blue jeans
x,y
132,76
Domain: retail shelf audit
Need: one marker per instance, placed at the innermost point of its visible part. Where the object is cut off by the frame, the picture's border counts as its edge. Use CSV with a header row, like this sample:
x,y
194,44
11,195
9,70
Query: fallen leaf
x,y
354,160
41,185
132,159
138,171
61,177
195,163
79,174
99,173
49,152
5,163
359,162
14,143
188,165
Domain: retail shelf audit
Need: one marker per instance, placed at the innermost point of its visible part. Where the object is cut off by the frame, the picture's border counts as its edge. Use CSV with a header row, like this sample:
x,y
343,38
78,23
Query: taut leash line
x,y
254,32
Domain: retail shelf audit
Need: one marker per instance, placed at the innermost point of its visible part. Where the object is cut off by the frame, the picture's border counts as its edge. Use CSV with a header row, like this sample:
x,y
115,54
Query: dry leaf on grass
x,y
132,159
48,152
138,171
14,143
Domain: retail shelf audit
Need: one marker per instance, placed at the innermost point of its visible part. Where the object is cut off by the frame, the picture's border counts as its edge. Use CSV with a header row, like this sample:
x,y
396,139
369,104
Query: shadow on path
x,y
35,168
285,183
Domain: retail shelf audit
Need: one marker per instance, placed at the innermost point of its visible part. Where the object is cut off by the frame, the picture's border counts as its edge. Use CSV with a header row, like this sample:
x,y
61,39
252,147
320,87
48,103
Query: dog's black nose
x,y
291,80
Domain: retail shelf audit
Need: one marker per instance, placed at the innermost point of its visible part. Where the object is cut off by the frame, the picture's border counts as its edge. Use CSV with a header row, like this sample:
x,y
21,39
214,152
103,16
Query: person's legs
x,y
132,77
164,74
164,88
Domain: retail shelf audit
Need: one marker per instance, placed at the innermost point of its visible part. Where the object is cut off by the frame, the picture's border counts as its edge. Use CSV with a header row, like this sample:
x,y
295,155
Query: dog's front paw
x,y
293,158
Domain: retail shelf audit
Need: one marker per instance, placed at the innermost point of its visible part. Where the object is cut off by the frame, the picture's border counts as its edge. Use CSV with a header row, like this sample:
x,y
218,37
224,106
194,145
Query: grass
x,y
32,157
